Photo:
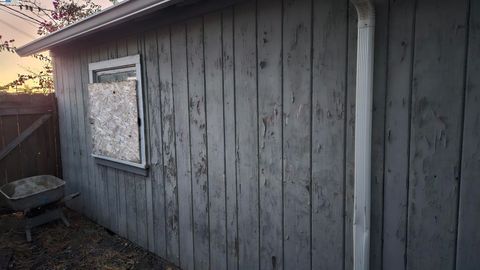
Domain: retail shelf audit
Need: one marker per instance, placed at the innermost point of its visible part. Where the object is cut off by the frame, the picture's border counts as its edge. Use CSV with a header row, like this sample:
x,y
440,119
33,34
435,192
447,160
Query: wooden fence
x,y
29,141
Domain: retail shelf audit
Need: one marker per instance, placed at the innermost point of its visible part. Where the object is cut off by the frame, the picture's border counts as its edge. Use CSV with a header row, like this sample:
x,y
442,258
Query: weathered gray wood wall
x,y
250,114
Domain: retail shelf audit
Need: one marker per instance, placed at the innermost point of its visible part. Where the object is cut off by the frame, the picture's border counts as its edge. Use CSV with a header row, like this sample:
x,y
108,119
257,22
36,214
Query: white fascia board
x,y
111,16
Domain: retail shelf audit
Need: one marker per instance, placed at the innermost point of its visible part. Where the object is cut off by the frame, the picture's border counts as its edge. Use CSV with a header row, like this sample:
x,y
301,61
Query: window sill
x,y
120,166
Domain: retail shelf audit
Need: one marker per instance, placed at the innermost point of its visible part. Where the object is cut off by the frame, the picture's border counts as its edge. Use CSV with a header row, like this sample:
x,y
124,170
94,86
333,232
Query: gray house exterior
x,y
249,116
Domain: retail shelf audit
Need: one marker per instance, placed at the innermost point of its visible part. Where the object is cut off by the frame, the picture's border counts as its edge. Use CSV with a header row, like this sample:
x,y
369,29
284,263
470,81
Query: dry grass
x,y
84,245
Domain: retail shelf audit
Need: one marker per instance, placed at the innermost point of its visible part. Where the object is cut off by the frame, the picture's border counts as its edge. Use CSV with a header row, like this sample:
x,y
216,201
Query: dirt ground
x,y
83,245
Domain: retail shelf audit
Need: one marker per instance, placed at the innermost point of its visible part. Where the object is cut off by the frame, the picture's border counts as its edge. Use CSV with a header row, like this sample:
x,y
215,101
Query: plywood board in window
x,y
113,118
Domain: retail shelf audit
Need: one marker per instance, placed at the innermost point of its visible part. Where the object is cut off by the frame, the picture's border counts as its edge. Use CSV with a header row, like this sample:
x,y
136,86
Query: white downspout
x,y
363,133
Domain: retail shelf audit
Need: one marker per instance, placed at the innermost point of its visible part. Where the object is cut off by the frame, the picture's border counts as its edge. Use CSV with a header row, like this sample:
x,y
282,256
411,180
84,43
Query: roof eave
x,y
111,16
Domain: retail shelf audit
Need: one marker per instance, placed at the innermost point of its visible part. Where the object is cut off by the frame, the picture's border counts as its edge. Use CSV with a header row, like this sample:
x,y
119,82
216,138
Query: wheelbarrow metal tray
x,y
32,192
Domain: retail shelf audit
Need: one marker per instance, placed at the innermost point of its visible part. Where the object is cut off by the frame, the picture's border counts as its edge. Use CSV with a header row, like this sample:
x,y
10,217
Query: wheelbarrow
x,y
40,198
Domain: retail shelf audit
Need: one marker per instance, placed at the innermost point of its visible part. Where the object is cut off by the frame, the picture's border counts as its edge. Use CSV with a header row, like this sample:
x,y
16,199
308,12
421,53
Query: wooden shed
x,y
221,134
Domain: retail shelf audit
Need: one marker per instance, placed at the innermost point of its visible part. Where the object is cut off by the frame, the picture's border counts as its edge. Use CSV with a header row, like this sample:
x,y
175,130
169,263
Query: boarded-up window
x,y
115,110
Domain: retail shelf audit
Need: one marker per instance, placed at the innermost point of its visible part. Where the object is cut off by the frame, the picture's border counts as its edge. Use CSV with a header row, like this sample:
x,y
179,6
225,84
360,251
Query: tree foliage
x,y
61,14
42,80
65,13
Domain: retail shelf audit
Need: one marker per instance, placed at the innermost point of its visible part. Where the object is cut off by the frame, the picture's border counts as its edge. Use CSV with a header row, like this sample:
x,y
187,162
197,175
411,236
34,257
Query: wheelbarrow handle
x,y
70,197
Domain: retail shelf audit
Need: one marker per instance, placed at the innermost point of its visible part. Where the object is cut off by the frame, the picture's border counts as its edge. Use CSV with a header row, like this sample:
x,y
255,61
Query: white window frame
x,y
122,64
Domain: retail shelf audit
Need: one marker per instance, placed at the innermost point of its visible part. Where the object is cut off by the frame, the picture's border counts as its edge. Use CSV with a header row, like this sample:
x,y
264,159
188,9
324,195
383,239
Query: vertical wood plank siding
x,y
246,134
182,140
198,141
397,132
468,241
297,137
350,137
230,141
169,151
122,176
269,65
250,125
215,139
436,133
378,138
328,133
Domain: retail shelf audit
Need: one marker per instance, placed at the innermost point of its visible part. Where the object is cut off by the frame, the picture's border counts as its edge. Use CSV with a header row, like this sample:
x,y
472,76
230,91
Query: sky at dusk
x,y
12,27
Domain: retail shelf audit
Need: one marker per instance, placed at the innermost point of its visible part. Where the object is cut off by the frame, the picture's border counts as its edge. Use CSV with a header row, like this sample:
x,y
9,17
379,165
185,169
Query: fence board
x,y
10,132
14,172
29,126
3,169
28,139
24,147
